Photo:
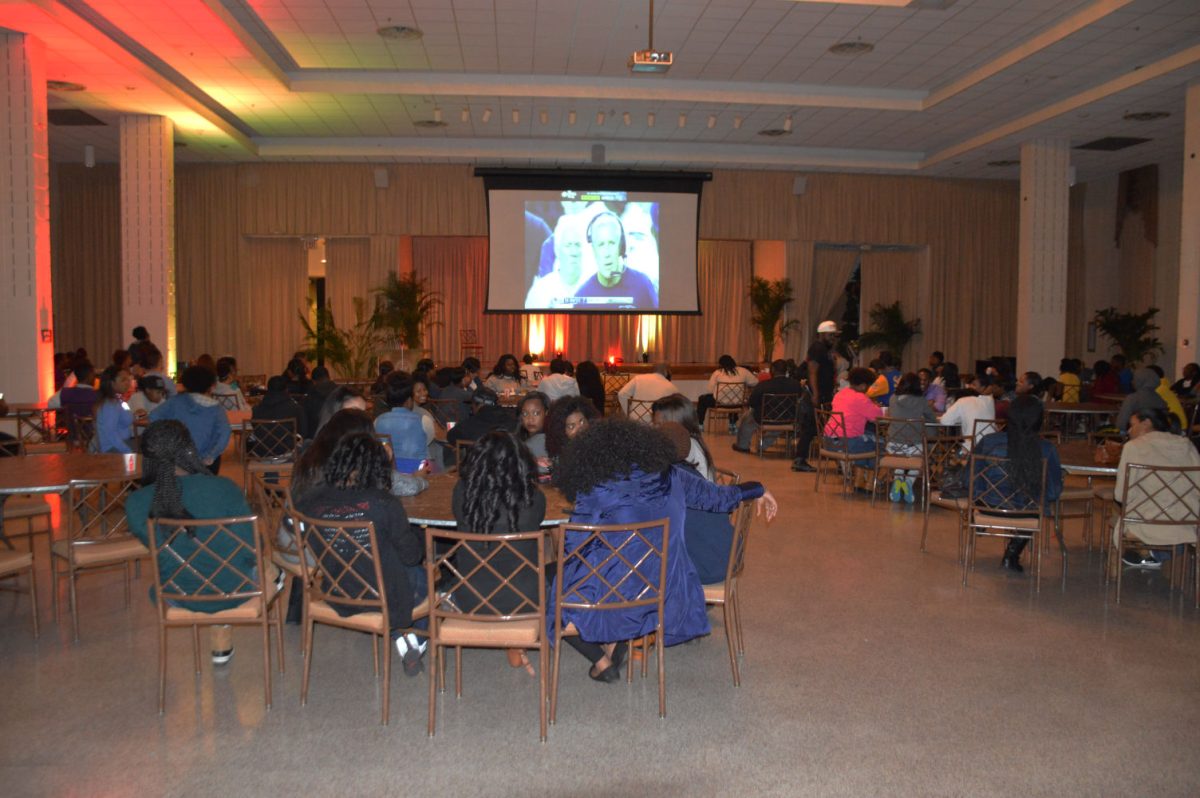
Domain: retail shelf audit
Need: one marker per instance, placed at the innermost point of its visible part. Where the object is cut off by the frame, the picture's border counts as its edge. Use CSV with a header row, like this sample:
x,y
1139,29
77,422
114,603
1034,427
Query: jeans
x,y
860,444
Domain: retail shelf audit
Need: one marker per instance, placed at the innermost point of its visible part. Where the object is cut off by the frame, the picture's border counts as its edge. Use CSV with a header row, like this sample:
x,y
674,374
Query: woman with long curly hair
x,y
1025,449
618,471
355,485
506,376
496,494
566,418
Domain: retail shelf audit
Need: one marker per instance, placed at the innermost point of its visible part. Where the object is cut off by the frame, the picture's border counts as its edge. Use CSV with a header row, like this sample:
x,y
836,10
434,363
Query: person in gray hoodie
x,y
1144,397
908,404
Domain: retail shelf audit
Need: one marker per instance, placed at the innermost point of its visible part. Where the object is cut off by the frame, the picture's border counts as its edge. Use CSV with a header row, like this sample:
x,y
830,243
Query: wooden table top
x,y
53,473
433,506
1079,457
26,407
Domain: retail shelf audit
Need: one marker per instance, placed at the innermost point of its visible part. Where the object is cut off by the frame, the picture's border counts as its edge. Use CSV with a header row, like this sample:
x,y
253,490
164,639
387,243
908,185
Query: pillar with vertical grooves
x,y
1042,278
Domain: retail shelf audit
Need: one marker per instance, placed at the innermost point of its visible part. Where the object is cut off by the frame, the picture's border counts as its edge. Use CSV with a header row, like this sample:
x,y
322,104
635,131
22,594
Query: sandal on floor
x,y
517,658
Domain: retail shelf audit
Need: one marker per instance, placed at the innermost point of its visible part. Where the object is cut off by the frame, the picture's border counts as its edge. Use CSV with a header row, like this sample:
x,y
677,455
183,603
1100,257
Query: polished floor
x,y
869,670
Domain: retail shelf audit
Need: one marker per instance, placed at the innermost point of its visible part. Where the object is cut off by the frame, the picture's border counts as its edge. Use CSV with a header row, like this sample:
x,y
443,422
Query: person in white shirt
x,y
648,387
728,371
149,395
226,376
556,289
969,409
559,383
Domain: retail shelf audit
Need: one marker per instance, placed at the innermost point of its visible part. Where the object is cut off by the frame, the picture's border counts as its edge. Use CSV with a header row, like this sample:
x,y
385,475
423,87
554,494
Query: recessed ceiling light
x,y
465,116
64,85
516,116
852,48
487,115
712,121
437,114
683,120
400,32
429,124
650,119
627,119
737,123
787,124
1146,116
571,118
1004,162
774,132
544,116
599,117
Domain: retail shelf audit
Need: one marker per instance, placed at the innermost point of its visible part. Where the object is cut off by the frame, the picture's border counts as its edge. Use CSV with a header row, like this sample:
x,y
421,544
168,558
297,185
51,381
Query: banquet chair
x,y
468,344
227,401
280,544
837,452
899,432
39,434
97,537
81,430
31,509
731,399
1157,496
182,550
725,594
12,565
249,382
458,557
986,426
640,410
268,447
639,551
944,454
780,412
444,411
1021,517
334,560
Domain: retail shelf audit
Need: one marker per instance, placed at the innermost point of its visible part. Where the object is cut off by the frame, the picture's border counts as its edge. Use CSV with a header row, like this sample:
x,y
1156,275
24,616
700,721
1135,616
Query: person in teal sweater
x,y
203,416
179,486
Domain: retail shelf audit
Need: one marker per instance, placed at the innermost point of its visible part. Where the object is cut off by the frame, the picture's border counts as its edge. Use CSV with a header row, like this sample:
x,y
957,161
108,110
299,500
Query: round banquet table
x,y
1078,457
54,473
1093,414
433,506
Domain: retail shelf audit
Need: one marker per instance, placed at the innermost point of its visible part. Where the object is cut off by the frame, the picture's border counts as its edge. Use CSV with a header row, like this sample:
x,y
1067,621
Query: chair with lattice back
x,y
641,410
210,572
611,568
997,506
725,594
836,449
1158,501
341,572
778,416
12,565
731,401
97,537
468,344
280,544
228,401
945,454
900,446
37,433
269,446
498,584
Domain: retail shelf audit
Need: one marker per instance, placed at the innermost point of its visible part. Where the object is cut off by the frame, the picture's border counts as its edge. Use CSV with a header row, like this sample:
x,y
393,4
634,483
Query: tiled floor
x,y
869,670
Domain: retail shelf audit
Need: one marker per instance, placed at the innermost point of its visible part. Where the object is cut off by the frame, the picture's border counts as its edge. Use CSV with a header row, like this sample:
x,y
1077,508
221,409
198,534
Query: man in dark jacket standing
x,y
822,380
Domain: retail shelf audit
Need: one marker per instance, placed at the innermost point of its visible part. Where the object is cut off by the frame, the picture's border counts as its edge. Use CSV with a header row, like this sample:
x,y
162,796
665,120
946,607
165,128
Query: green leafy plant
x,y
352,352
768,300
1131,333
889,330
405,309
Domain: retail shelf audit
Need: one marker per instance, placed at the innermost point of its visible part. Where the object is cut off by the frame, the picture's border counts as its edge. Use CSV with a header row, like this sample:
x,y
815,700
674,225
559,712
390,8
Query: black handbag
x,y
955,483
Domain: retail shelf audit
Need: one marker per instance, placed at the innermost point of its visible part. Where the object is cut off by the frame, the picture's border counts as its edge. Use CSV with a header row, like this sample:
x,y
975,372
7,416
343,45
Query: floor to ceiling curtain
x,y
348,275
831,270
273,292
723,283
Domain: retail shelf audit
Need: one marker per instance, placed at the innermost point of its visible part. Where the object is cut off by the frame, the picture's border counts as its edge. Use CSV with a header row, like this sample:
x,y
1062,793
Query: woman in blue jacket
x,y
114,419
619,471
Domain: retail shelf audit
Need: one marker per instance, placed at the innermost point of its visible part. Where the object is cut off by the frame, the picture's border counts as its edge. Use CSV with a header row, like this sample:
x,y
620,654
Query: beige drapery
x,y
348,275
723,282
889,276
799,263
832,269
275,293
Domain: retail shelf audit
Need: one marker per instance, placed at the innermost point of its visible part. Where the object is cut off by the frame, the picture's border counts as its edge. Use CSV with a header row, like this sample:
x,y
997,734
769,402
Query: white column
x,y
1186,343
148,230
26,320
1042,279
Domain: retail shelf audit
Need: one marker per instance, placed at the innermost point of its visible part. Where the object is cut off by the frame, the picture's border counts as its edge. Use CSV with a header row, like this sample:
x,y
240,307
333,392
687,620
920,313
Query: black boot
x,y
1012,555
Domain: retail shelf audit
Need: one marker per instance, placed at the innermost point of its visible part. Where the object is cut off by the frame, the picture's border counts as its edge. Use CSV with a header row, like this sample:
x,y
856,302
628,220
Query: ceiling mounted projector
x,y
650,61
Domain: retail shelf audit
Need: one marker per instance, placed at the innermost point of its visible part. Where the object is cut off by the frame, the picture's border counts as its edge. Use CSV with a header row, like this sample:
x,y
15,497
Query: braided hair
x,y
167,445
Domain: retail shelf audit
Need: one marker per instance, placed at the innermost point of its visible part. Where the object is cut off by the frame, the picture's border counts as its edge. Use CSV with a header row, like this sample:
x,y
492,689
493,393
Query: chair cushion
x,y
13,561
1080,494
266,466
714,594
936,498
25,507
88,554
987,519
364,621
511,634
246,611
832,455
897,461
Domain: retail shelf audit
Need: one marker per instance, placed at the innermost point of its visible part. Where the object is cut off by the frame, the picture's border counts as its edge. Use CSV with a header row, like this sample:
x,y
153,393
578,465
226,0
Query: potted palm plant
x,y
1131,333
352,352
768,300
889,330
405,308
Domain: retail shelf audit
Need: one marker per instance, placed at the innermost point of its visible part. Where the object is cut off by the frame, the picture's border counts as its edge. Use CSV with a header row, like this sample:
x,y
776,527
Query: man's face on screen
x,y
606,248
568,250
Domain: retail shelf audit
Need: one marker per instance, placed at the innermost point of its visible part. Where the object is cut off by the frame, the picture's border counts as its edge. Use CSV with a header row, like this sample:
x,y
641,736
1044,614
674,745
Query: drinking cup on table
x,y
131,463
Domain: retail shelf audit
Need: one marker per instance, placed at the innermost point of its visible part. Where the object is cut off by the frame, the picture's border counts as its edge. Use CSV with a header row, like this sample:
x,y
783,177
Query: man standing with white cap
x,y
822,379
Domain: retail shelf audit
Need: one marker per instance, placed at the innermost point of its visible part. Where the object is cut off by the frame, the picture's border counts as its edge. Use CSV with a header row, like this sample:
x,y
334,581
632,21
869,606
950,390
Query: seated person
x,y
728,371
314,400
907,404
295,375
340,398
647,387
975,403
1068,380
80,399
488,415
114,419
1021,443
857,410
402,426
149,395
226,386
565,419
778,383
618,471
434,449
458,390
1186,386
1154,440
678,409
934,392
152,365
531,429
1174,406
559,383
708,535
497,493
168,450
1145,396
885,382
506,376
355,485
204,418
276,405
